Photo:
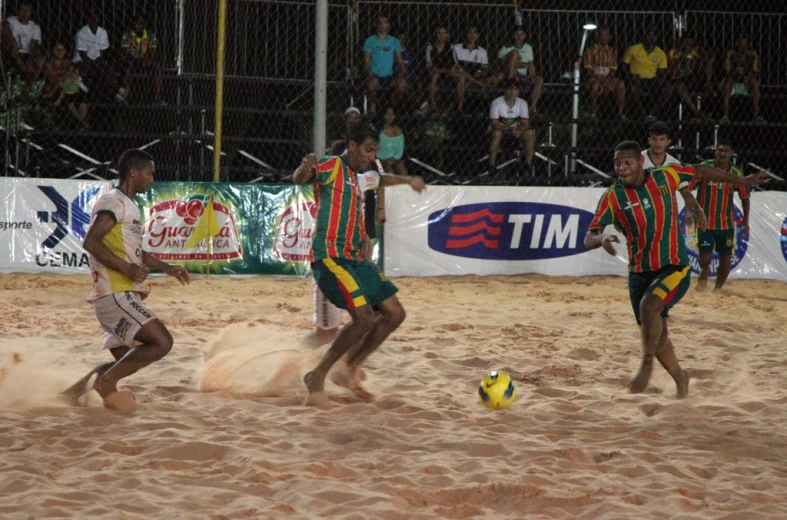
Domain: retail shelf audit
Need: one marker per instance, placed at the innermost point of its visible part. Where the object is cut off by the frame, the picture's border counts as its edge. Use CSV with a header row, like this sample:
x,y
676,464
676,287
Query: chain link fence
x,y
152,85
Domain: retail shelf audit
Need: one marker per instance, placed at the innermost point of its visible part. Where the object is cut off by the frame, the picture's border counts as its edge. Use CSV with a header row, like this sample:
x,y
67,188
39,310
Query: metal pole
x,y
320,81
575,111
181,34
219,90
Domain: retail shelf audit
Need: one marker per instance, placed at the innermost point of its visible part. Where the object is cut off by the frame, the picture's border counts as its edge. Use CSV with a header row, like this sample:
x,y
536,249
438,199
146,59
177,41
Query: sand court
x,y
221,431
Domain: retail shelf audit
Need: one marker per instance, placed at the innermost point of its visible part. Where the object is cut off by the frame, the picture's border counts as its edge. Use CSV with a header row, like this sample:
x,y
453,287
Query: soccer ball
x,y
497,390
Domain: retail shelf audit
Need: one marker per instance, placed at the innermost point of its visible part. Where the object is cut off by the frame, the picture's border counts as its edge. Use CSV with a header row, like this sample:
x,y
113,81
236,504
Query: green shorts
x,y
720,240
669,283
349,284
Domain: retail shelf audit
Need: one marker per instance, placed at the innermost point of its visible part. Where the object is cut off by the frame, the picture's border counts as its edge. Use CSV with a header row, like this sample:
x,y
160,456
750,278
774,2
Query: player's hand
x,y
746,229
606,243
417,183
757,178
381,215
310,161
179,272
702,220
137,273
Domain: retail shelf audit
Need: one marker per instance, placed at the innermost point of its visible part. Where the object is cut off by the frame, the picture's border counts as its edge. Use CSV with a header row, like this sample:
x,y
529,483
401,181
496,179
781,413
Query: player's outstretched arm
x,y
174,271
709,173
595,239
307,171
415,182
94,245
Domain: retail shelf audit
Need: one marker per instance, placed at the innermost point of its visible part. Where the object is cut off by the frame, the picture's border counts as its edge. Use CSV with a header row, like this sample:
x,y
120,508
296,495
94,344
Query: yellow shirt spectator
x,y
643,63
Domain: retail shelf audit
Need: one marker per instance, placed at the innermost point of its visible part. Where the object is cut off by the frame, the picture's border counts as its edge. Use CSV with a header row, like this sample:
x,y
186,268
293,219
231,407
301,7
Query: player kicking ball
x,y
347,279
642,204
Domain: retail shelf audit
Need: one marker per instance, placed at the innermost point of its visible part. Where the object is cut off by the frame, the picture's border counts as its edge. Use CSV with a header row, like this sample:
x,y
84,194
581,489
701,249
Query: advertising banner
x,y
252,228
458,230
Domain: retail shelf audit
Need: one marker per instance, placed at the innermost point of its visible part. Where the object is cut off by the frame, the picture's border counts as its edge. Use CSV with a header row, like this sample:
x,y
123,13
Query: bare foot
x,y
350,379
313,383
640,381
319,400
683,385
105,388
121,401
702,285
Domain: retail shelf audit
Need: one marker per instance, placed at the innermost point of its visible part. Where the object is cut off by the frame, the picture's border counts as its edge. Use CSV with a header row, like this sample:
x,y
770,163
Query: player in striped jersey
x,y
601,66
343,275
133,334
717,201
642,205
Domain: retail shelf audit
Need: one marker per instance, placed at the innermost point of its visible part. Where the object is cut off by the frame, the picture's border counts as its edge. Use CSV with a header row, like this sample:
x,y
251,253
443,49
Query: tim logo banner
x,y
509,230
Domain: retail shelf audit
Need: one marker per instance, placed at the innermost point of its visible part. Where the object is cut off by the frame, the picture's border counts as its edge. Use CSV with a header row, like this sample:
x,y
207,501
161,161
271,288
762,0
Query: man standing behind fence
x,y
141,46
383,62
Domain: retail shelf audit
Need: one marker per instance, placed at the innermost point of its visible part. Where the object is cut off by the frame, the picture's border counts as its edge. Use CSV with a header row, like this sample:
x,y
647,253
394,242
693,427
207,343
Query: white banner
x,y
43,223
456,230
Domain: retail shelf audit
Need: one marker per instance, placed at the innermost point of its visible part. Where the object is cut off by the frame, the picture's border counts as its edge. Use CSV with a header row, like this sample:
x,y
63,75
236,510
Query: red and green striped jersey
x,y
339,230
716,199
648,215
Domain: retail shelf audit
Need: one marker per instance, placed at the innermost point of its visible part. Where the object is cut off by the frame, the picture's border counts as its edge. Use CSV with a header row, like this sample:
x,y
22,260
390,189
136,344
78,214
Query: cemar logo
x,y
296,229
784,238
693,247
71,216
509,230
172,222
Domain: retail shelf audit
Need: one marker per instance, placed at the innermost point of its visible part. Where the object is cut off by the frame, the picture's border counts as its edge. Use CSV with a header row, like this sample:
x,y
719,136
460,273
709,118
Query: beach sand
x,y
221,430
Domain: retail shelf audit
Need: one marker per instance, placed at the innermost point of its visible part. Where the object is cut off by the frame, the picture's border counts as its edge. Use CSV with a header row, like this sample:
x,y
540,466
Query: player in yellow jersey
x,y
133,334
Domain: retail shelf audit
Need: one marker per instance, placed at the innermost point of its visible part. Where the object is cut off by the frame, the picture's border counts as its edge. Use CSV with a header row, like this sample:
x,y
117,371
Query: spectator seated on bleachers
x,y
517,62
601,73
391,149
741,67
509,118
141,48
64,85
20,45
441,66
647,70
92,44
383,63
473,61
688,72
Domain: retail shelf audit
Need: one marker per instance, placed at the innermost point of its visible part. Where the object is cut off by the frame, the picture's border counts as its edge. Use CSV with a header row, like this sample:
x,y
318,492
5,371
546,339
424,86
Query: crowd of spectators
x,y
71,73
642,84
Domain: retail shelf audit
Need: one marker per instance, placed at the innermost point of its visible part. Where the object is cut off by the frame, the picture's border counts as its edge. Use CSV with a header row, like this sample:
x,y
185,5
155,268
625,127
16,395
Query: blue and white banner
x,y
43,223
459,230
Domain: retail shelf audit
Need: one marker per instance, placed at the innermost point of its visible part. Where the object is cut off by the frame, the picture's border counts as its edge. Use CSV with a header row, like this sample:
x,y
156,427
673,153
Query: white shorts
x,y
121,315
326,315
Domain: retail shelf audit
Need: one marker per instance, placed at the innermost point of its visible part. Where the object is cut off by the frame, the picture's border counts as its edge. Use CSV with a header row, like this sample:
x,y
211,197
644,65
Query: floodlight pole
x,y
320,82
575,112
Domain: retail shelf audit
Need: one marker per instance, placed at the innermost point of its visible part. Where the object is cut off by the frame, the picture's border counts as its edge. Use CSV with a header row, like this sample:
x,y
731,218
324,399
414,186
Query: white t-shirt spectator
x,y
91,43
668,159
477,56
508,115
525,56
24,34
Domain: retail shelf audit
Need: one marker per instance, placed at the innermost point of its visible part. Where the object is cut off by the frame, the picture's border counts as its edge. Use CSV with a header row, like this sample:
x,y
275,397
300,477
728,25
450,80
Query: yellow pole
x,y
210,238
219,91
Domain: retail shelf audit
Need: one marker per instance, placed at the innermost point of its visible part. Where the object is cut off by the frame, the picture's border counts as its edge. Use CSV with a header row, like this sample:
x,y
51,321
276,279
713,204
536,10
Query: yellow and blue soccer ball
x,y
497,390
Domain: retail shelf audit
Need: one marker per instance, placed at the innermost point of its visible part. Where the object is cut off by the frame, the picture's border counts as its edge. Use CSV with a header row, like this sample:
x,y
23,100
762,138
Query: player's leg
x,y
372,85
535,95
663,291
595,85
382,295
327,318
667,358
724,244
155,342
339,282
529,141
80,388
705,244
